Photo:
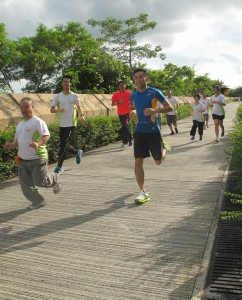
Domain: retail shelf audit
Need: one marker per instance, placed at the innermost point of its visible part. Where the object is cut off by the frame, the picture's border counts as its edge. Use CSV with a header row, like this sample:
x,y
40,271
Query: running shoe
x,y
142,197
193,138
201,137
79,156
222,134
58,170
176,130
172,133
167,146
36,206
57,188
217,140
124,146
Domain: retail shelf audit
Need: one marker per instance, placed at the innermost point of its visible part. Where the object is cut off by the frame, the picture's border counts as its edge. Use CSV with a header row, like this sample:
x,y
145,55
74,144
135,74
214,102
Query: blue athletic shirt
x,y
148,98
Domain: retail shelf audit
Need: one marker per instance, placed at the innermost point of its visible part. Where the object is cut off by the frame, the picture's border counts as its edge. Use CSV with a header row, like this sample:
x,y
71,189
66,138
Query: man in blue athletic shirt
x,y
147,137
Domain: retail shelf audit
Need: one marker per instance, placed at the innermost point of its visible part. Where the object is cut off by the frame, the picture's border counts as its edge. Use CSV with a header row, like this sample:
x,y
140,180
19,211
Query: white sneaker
x,y
142,197
216,140
124,146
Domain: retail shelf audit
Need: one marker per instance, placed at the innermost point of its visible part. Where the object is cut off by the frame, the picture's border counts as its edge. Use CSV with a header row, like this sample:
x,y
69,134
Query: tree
x,y
179,79
237,92
121,34
9,57
101,74
52,52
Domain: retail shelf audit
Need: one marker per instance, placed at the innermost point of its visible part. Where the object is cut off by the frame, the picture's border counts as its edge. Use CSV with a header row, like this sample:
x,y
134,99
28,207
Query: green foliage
x,y
8,167
121,36
236,142
9,56
231,216
234,198
97,132
43,58
182,111
53,52
236,164
181,80
237,92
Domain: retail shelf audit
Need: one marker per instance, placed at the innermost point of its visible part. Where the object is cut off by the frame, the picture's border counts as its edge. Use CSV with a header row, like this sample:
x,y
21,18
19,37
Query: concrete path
x,y
92,242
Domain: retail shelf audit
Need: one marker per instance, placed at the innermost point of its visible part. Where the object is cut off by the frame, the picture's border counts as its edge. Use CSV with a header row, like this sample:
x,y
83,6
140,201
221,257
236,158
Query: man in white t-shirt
x,y
205,100
31,137
218,102
66,104
171,115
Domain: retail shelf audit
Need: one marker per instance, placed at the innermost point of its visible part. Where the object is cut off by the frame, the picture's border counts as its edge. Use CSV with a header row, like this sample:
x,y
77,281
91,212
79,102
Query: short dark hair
x,y
197,95
224,88
67,76
216,86
140,70
121,81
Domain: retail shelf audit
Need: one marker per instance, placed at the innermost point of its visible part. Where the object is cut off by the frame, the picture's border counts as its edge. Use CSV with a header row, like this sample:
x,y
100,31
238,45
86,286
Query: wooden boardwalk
x,y
92,242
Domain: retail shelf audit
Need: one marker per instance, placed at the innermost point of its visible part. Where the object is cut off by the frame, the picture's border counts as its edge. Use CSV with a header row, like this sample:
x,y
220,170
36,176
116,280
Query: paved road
x,y
92,242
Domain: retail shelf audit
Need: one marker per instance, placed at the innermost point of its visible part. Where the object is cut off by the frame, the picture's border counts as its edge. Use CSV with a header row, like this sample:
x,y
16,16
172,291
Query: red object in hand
x,y
17,160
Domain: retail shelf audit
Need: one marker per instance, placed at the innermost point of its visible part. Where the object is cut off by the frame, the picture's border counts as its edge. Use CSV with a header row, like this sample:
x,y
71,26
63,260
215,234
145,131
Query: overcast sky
x,y
204,34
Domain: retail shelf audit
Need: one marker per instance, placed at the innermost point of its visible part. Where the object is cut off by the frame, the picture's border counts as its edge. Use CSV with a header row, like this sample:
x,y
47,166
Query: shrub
x,y
236,164
8,167
183,111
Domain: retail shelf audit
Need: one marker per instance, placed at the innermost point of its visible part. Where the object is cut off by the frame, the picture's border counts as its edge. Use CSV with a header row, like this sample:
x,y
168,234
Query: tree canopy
x,y
120,35
42,59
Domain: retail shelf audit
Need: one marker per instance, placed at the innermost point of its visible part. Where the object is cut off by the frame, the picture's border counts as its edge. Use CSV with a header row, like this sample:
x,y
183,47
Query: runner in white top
x,y
171,115
28,131
218,102
205,100
66,104
198,109
31,137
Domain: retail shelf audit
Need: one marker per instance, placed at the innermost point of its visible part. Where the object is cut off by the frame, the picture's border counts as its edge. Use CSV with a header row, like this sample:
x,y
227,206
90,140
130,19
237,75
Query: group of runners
x,y
146,102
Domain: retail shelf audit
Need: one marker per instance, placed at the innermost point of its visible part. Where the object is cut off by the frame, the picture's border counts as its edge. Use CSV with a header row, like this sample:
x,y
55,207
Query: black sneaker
x,y
200,137
176,130
172,133
193,138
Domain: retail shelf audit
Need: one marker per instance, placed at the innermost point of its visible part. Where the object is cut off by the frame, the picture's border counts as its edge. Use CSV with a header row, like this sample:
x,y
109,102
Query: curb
x,y
200,281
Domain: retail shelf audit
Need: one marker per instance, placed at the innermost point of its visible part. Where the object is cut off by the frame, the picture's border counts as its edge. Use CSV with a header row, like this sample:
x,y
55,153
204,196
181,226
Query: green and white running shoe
x,y
142,197
167,146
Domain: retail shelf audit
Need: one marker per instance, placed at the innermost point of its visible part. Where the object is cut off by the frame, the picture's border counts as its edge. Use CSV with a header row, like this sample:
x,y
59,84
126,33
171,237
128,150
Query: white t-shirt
x,y
173,102
218,109
28,131
198,116
68,102
206,102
